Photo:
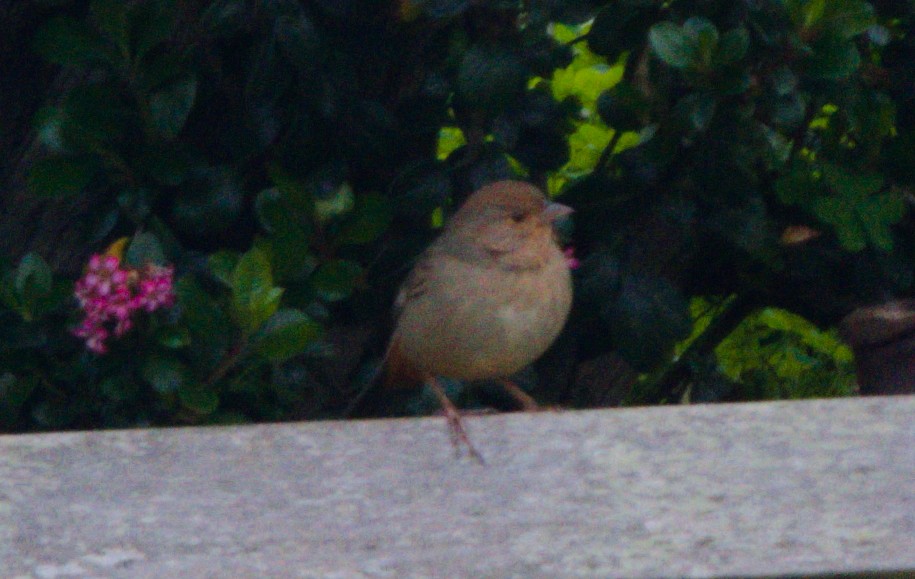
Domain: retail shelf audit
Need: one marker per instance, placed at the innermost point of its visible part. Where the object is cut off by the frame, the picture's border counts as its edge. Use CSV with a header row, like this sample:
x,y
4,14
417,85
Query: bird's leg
x,y
525,400
453,415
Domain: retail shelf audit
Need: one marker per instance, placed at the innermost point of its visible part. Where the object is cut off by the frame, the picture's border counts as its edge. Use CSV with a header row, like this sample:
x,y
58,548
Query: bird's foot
x,y
526,402
455,425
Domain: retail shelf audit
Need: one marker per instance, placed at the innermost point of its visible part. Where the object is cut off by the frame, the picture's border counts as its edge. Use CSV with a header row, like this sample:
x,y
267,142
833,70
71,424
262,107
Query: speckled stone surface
x,y
775,488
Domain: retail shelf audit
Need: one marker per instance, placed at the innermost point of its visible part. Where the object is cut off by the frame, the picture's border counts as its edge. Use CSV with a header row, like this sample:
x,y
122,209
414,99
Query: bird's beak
x,y
555,211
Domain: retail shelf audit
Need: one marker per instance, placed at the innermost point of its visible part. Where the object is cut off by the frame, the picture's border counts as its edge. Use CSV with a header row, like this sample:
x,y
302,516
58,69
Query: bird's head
x,y
510,222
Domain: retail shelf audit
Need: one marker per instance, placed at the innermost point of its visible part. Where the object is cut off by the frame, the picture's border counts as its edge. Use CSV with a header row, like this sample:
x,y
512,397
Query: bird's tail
x,y
393,379
397,372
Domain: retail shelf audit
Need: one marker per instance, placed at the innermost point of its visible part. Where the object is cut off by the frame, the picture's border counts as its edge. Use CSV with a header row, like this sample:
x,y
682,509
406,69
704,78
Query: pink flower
x,y
110,296
571,260
94,335
155,288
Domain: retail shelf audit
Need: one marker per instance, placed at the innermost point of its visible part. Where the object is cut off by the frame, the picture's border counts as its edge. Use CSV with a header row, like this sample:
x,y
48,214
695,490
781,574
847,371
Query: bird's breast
x,y
537,307
478,323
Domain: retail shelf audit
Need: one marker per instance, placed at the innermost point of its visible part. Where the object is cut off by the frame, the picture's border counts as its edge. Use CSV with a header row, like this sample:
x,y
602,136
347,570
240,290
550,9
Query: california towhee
x,y
487,298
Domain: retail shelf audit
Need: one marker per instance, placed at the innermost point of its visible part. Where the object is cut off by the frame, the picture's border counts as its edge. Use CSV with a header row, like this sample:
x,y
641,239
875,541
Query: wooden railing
x,y
819,487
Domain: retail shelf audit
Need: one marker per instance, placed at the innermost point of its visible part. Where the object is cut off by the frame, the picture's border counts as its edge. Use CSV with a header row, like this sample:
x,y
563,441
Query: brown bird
x,y
486,299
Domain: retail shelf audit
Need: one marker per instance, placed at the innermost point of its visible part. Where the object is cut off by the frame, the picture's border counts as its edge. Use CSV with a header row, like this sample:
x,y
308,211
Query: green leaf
x,y
252,274
336,280
834,211
286,334
170,244
337,202
704,37
733,46
222,264
48,123
198,398
59,176
784,81
290,242
166,374
208,323
290,235
805,13
70,42
858,213
134,204
833,58
33,277
879,35
254,298
672,45
120,388
144,248
848,18
878,215
852,186
789,111
170,106
371,217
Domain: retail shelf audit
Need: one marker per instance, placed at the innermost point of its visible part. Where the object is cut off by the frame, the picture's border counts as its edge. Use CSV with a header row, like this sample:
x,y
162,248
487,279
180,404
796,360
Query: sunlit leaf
x,y
254,297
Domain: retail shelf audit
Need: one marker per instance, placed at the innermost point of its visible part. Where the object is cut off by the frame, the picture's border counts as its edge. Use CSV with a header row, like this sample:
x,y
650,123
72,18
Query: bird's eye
x,y
518,216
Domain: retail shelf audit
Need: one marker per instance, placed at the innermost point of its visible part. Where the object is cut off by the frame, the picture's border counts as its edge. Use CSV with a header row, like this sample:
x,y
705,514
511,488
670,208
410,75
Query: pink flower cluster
x,y
572,261
110,295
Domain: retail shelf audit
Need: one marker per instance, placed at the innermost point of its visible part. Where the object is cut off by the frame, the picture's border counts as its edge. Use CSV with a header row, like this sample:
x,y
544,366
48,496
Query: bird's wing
x,y
398,371
415,285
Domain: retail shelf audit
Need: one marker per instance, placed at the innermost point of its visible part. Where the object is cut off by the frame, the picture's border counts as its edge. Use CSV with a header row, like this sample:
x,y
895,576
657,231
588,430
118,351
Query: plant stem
x,y
232,357
670,385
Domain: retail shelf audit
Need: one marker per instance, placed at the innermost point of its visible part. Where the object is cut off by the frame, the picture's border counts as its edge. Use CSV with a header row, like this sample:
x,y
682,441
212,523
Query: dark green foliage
x,y
621,26
490,78
622,107
284,156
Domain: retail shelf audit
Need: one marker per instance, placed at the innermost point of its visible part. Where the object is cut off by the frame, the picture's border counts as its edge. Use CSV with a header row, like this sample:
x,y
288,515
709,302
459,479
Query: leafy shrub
x,y
290,158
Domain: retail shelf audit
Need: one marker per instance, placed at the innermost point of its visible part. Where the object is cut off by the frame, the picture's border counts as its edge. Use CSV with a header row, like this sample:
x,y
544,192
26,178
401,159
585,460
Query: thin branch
x,y
669,386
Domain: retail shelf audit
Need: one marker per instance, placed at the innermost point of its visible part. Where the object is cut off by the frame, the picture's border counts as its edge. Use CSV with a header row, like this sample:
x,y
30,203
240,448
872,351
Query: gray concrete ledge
x,y
752,489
